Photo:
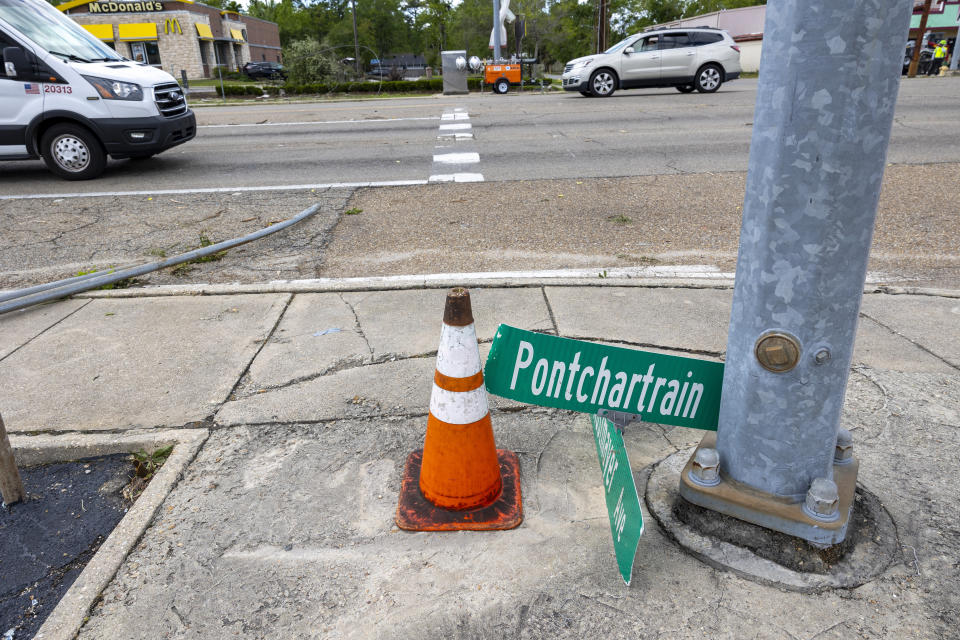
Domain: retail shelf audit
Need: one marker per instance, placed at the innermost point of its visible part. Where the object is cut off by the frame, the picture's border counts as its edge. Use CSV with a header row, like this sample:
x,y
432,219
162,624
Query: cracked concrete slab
x,y
286,530
318,332
402,387
143,362
932,322
19,327
324,332
684,319
49,239
416,329
880,348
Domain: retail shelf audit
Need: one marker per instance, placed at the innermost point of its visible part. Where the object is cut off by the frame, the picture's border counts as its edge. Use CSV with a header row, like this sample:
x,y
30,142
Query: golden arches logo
x,y
172,25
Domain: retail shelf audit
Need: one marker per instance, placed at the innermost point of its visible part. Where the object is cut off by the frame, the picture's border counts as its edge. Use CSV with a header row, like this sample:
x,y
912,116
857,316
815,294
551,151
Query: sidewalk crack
x,y
246,371
911,341
553,318
358,327
45,330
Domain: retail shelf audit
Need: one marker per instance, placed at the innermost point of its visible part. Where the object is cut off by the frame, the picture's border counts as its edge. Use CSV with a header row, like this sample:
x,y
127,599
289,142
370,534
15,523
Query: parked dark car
x,y
271,70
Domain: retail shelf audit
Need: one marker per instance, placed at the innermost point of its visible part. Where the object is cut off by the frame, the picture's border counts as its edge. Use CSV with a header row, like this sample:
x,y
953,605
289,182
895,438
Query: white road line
x,y
312,122
164,192
457,158
459,133
457,177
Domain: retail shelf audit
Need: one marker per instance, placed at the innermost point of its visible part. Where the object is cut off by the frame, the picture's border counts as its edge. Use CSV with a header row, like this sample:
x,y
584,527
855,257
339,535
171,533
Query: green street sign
x,y
545,370
623,503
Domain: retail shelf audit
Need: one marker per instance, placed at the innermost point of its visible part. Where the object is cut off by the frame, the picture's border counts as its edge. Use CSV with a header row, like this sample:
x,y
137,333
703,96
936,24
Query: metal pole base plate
x,y
766,510
416,513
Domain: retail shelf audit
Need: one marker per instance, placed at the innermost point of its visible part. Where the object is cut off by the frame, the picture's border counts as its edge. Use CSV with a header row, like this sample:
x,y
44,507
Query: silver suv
x,y
697,58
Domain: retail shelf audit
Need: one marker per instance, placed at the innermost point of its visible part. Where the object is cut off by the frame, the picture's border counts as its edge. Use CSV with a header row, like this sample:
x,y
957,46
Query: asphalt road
x,y
517,137
643,178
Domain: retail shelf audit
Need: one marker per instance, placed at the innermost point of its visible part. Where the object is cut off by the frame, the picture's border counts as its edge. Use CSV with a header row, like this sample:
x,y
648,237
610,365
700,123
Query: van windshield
x,y
50,29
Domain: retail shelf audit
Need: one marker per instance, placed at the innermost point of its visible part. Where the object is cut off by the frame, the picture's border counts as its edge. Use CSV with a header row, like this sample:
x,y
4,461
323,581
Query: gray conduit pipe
x,y
62,288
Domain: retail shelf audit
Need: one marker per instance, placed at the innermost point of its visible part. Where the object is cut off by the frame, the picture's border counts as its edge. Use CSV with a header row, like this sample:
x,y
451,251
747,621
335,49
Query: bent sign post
x,y
549,371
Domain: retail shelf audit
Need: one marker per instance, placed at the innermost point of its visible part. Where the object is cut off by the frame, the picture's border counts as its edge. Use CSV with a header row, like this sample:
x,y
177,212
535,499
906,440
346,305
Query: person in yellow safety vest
x,y
939,55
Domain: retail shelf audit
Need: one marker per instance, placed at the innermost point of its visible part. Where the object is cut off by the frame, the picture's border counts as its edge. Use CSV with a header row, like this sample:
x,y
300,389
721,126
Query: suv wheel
x,y
603,83
709,79
73,152
685,88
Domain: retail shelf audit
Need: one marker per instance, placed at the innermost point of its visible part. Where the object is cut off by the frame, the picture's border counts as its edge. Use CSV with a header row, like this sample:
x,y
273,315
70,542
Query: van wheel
x,y
501,86
73,152
708,78
603,83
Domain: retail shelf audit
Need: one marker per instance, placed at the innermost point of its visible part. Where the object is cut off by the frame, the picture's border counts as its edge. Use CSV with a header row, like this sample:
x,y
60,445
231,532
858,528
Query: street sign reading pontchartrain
x,y
584,376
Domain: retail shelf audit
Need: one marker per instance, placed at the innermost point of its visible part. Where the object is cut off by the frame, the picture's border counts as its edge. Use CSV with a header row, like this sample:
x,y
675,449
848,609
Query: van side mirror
x,y
628,51
15,62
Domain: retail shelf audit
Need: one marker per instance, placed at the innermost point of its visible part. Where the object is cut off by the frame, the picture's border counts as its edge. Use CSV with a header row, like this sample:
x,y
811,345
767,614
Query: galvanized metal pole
x,y
496,31
956,48
11,487
825,102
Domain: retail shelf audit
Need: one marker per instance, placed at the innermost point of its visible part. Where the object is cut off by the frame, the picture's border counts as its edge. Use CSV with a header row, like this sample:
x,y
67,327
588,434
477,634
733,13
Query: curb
x,y
644,277
71,612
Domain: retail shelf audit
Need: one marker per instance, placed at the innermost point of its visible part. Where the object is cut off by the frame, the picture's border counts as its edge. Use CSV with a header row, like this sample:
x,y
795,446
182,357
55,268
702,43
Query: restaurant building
x,y
178,35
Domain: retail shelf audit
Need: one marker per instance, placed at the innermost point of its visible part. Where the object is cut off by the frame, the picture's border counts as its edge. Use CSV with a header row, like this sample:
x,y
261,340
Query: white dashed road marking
x,y
456,158
457,155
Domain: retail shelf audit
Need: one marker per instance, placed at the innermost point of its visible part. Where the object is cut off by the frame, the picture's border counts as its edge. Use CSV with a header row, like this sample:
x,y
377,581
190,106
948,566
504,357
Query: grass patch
x,y
145,466
119,284
620,219
185,268
352,212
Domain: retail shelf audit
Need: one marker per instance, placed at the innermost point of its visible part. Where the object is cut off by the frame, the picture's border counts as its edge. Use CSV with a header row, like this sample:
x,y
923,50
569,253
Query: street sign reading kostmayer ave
x,y
623,503
545,370
583,376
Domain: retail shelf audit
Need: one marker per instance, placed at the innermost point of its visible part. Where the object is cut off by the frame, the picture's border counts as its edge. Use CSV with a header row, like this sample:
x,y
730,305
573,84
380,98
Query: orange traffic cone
x,y
459,480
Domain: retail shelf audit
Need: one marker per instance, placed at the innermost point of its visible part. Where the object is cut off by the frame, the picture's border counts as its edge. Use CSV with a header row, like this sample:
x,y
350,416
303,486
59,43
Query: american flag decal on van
x,y
29,88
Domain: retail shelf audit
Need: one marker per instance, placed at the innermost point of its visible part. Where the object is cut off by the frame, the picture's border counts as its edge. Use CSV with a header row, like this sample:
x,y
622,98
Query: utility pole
x,y
11,488
918,42
601,26
496,31
356,43
821,130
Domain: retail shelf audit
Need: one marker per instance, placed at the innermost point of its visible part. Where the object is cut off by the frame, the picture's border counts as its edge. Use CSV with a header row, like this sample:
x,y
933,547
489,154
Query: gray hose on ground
x,y
62,288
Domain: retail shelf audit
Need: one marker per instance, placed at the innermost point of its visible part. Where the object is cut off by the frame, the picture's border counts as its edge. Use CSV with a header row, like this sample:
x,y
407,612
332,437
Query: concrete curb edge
x,y
70,613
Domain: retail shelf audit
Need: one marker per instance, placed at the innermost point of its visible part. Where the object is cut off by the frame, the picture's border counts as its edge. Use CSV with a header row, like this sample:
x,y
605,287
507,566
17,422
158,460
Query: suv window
x,y
649,43
675,41
701,38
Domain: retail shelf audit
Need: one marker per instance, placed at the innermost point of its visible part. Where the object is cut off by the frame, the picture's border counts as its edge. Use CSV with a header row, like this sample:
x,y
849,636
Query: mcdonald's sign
x,y
171,26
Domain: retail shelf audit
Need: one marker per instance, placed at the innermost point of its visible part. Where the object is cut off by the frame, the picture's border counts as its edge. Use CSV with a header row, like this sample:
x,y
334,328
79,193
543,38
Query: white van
x,y
72,100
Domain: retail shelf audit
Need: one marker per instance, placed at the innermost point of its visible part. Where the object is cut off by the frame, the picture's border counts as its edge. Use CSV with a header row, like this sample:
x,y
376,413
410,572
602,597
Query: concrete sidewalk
x,y
281,526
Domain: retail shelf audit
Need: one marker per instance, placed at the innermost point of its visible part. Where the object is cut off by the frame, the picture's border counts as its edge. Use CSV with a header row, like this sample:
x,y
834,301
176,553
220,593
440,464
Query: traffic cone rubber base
x,y
416,513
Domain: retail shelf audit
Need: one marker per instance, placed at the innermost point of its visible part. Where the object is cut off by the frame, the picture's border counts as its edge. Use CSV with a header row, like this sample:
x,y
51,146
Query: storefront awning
x,y
203,31
102,31
138,31
237,35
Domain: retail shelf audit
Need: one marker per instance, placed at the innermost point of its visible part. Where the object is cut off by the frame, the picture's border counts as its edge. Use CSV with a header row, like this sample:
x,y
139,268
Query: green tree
x,y
308,62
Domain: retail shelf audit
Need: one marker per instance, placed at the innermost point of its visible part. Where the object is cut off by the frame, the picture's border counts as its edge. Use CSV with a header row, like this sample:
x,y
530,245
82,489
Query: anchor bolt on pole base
x,y
741,501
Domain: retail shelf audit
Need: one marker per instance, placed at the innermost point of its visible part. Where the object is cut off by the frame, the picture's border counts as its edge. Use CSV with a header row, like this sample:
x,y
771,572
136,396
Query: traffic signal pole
x,y
829,77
